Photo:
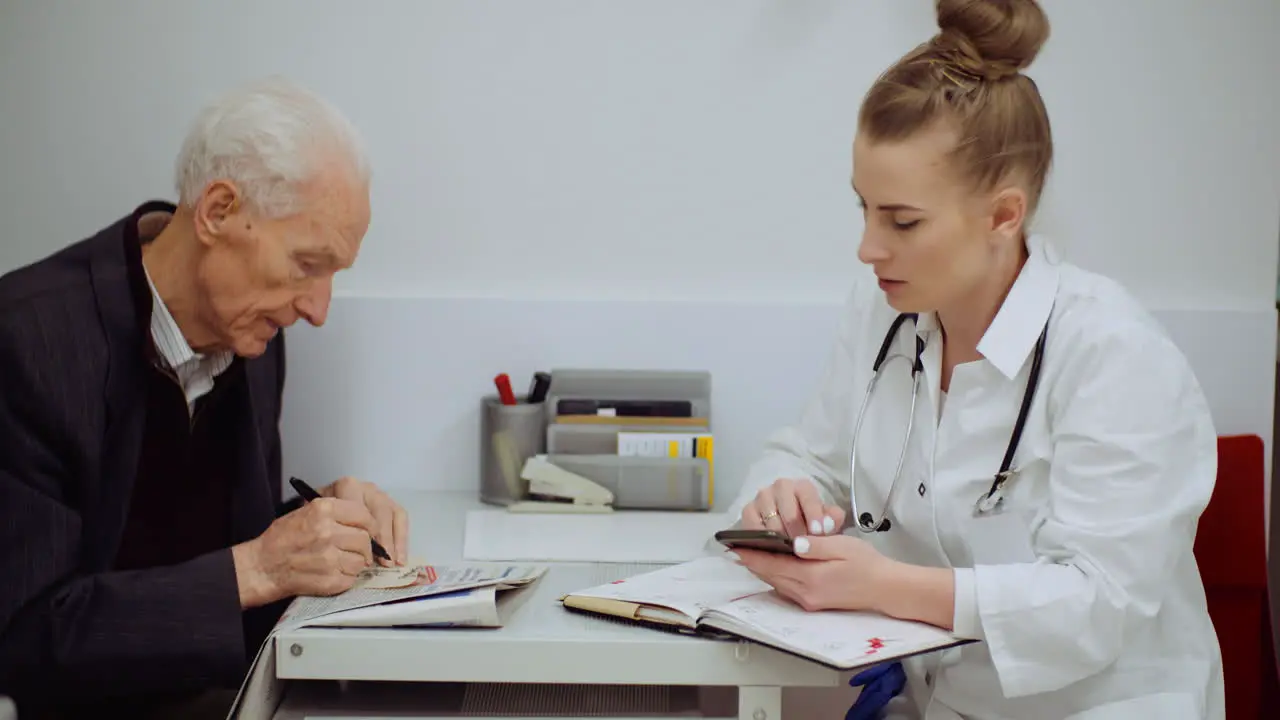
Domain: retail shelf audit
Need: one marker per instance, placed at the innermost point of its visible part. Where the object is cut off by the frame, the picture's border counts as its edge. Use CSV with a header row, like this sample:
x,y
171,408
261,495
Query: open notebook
x,y
714,593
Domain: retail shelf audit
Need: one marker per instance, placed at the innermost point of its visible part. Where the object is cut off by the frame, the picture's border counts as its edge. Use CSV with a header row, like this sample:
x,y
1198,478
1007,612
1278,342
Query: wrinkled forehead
x,y
339,196
914,171
336,215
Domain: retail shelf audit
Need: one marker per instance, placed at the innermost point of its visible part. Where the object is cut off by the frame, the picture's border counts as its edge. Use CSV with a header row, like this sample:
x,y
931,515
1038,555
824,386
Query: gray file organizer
x,y
573,439
589,448
579,384
645,483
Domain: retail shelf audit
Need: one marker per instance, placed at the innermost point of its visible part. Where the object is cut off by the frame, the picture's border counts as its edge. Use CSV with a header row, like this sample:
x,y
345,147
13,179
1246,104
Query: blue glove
x,y
880,684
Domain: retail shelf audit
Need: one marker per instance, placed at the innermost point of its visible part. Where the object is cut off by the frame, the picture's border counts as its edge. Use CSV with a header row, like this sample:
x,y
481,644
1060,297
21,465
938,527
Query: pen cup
x,y
509,435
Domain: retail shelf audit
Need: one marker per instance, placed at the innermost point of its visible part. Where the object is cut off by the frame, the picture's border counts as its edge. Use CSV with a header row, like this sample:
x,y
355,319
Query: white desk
x,y
558,660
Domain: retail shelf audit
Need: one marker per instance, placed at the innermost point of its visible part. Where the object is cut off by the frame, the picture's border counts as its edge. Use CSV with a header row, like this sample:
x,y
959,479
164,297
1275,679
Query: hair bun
x,y
991,39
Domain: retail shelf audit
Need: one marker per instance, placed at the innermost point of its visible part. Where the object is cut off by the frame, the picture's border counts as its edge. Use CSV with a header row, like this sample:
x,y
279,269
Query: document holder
x,y
509,435
671,403
583,439
693,386
645,483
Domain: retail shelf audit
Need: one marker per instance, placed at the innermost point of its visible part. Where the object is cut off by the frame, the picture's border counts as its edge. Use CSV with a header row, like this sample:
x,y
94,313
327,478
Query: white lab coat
x,y
1084,592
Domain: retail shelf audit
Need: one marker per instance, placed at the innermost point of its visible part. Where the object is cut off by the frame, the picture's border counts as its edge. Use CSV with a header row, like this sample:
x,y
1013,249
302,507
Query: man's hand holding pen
x,y
321,548
391,522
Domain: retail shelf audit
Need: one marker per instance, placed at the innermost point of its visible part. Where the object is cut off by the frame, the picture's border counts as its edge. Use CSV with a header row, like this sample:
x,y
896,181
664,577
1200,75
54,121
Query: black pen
x,y
538,388
308,493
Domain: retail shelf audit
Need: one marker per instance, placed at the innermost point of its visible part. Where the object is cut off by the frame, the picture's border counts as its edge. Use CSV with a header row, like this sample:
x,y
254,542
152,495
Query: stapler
x,y
553,489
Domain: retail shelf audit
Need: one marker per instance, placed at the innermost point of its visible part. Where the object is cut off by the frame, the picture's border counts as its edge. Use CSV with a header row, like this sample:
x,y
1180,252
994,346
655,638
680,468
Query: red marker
x,y
503,381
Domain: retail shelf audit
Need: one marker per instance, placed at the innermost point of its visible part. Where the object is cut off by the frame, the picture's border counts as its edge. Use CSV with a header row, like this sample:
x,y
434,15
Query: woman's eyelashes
x,y
899,225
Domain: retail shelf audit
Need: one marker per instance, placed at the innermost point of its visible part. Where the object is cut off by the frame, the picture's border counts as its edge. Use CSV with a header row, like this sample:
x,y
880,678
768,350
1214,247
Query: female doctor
x,y
1033,453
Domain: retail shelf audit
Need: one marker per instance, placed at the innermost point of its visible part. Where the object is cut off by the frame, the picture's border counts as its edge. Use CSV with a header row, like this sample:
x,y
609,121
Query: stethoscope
x,y
989,501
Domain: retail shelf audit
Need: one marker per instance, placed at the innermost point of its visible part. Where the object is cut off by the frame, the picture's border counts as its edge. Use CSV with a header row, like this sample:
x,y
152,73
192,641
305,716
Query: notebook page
x,y
842,638
689,588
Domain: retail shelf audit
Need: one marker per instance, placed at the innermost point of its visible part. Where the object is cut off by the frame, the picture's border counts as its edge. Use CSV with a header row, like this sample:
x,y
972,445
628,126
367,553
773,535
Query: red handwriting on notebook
x,y
617,582
874,645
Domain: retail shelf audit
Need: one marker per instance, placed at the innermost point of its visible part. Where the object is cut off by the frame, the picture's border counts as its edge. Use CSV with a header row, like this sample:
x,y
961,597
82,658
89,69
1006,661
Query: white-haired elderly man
x,y
144,549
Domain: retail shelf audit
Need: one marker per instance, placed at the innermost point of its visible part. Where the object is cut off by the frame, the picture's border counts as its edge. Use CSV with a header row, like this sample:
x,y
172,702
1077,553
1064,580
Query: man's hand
x,y
318,549
836,572
391,522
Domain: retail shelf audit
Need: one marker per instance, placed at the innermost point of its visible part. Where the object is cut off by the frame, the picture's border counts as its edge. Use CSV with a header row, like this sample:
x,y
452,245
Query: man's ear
x,y
1008,213
217,211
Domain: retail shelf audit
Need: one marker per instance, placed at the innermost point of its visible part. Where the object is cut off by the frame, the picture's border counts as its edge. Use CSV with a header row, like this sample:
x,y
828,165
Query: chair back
x,y
1231,550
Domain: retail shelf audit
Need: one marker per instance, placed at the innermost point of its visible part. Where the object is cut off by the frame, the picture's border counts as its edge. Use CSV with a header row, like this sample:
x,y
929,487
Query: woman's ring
x,y
770,516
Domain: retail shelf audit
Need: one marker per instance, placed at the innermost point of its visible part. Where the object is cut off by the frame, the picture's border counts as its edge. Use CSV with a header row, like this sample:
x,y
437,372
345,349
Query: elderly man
x,y
144,549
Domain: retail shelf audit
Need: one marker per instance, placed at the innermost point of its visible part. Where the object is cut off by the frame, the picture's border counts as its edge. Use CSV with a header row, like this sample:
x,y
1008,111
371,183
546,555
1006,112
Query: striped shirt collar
x,y
174,348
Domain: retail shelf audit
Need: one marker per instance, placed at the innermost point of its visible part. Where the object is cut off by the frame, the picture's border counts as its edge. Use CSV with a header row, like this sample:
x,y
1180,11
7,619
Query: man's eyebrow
x,y
317,246
323,254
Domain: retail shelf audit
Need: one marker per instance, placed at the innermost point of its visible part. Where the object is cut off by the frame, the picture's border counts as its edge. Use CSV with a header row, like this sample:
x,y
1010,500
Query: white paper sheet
x,y
624,536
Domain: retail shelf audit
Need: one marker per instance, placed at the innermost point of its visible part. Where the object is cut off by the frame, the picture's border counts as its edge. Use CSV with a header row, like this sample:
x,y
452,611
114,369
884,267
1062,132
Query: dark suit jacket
x,y
72,407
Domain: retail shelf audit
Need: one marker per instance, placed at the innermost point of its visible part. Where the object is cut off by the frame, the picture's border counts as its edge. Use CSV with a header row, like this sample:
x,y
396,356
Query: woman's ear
x,y
1008,213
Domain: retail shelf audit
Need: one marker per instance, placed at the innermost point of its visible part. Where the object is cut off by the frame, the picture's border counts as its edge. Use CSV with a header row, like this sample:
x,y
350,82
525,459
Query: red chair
x,y
1230,549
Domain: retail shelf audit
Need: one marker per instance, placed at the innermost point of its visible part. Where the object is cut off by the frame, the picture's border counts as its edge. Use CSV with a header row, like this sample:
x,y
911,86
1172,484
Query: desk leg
x,y
758,702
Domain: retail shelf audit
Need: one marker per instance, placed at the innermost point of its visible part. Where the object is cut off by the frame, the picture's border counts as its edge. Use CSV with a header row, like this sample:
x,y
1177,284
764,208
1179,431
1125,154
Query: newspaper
x,y
379,577
261,692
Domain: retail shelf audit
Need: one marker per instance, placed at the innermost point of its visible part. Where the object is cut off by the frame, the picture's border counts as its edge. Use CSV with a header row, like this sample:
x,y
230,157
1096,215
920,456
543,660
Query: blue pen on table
x,y
308,493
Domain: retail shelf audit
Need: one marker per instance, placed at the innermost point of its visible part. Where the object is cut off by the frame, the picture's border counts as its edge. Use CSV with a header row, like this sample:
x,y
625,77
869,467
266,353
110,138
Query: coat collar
x,y
115,267
1013,332
124,304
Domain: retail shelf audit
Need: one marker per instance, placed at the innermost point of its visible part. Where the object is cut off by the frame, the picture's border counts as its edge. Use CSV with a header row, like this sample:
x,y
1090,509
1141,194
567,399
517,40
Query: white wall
x,y
698,151
566,150
577,149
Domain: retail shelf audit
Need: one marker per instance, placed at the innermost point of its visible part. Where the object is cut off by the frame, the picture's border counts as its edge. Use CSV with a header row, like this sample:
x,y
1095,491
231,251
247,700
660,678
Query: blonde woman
x,y
1034,456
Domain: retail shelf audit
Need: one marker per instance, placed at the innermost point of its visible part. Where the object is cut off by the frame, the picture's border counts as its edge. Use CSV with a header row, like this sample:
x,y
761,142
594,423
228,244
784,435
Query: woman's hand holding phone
x,y
793,508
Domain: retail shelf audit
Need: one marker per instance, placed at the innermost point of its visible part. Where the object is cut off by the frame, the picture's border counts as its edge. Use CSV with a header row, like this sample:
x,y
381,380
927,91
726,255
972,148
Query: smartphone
x,y
767,540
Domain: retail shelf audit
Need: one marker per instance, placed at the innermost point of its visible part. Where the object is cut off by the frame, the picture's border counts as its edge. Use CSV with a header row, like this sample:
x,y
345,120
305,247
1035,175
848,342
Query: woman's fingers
x,y
817,518
770,515
794,508
789,512
751,516
837,516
